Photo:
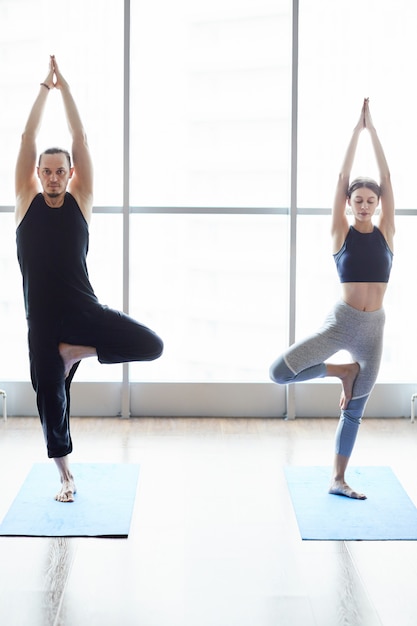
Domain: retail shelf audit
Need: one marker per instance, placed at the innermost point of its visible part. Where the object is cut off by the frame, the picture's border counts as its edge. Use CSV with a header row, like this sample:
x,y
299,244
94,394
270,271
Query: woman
x,y
363,256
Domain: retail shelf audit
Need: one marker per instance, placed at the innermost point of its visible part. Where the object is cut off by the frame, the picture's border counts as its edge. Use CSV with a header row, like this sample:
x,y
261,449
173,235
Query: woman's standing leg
x,y
366,349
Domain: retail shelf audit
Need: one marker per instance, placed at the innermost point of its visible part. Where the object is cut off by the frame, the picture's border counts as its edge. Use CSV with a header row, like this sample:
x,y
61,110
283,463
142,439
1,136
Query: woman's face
x,y
363,203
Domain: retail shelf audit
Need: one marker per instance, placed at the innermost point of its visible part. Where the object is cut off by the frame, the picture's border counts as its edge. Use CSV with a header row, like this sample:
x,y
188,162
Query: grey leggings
x,y
345,328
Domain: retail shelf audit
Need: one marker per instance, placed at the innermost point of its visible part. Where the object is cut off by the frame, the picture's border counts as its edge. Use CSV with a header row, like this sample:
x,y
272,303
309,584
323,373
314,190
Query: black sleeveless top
x,y
52,247
364,258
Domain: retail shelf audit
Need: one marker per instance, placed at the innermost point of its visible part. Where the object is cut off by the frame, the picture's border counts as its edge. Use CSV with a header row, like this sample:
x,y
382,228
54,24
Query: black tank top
x,y
364,258
52,246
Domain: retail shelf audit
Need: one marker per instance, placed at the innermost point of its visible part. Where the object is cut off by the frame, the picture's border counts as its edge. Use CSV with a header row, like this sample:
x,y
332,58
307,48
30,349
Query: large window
x,y
349,50
190,121
213,292
210,133
210,103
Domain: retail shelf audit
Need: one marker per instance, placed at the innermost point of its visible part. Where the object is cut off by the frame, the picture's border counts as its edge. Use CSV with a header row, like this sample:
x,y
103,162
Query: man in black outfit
x,y
66,322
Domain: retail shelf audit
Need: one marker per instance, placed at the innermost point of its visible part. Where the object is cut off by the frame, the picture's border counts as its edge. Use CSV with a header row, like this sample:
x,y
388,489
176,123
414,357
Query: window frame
x,y
233,399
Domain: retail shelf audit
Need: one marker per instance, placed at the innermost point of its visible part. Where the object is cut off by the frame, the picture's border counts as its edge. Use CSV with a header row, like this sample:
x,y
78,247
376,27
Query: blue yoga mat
x,y
102,507
386,514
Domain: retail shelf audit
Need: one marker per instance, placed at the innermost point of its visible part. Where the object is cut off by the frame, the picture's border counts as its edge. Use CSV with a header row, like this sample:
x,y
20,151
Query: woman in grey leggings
x,y
363,256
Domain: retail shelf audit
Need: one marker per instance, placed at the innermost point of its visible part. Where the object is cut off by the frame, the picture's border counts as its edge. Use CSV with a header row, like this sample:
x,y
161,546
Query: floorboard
x,y
214,540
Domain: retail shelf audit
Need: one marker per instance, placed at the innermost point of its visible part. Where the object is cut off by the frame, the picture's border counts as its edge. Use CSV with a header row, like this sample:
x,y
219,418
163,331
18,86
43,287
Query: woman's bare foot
x,y
347,376
338,485
347,373
348,379
71,354
341,488
68,489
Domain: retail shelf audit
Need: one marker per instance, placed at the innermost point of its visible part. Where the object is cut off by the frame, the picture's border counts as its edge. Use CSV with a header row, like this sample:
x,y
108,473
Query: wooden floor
x,y
214,541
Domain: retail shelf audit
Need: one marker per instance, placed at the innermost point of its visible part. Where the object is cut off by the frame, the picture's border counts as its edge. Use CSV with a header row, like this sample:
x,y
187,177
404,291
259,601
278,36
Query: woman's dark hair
x,y
56,151
362,181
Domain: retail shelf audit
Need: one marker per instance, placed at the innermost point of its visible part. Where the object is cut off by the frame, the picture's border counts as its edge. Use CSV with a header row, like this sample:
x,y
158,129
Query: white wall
x,y
214,399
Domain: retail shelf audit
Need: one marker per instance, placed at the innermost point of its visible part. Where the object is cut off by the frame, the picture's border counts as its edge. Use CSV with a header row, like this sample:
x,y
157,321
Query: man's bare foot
x,y
68,491
66,352
347,376
340,488
71,354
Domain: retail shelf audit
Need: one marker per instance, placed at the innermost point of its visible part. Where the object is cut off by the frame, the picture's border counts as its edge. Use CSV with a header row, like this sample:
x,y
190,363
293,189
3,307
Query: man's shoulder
x,y
84,202
23,203
71,199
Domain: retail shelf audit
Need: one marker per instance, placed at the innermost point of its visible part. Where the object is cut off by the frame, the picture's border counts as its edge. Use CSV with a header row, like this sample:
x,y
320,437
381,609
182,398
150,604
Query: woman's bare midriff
x,y
364,296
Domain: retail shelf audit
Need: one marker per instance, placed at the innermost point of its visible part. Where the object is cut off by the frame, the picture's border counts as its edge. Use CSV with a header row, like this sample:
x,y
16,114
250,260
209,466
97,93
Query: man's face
x,y
54,173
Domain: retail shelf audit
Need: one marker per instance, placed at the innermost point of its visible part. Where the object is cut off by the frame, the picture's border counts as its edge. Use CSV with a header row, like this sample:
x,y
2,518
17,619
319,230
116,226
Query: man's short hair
x,y
56,151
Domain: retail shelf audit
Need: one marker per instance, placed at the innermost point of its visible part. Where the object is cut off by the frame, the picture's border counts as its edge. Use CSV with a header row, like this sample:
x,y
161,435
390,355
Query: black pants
x,y
117,338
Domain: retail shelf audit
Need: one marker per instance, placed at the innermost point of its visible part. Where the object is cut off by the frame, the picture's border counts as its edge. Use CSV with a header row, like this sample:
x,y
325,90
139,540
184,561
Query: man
x,y
66,323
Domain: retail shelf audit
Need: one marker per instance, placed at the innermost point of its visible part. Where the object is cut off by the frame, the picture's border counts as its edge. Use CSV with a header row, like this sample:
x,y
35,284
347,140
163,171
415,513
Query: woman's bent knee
x,y
280,373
